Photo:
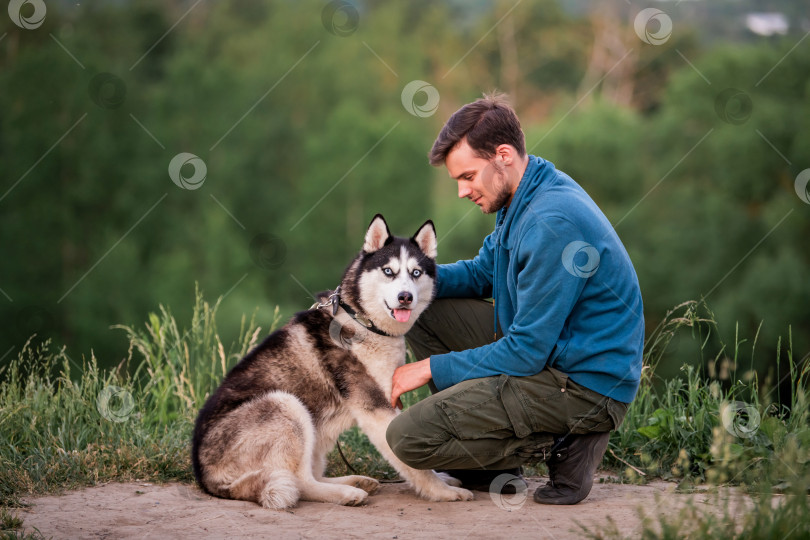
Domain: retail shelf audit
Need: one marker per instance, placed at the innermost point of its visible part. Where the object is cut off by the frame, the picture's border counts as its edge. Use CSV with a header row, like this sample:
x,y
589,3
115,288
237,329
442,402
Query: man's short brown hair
x,y
486,123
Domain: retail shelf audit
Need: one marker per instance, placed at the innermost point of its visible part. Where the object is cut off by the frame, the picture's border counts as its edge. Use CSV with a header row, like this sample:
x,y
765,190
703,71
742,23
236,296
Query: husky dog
x,y
264,434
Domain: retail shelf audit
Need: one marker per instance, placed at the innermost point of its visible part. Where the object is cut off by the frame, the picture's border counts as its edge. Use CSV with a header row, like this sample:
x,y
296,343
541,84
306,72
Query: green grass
x,y
717,430
11,527
64,424
698,428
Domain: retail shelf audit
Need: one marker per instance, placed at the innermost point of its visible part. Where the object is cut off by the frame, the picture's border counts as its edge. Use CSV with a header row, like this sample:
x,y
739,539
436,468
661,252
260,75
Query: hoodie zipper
x,y
499,228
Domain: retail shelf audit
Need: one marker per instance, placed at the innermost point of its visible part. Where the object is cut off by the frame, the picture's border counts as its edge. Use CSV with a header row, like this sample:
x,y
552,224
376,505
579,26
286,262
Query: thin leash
x,y
346,461
396,480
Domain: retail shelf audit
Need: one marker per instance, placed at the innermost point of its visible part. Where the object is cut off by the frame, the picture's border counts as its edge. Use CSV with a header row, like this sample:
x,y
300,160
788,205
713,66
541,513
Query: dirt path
x,y
138,510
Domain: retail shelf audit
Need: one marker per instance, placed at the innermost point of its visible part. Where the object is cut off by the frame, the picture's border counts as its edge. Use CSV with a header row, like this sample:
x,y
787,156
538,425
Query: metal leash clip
x,y
333,300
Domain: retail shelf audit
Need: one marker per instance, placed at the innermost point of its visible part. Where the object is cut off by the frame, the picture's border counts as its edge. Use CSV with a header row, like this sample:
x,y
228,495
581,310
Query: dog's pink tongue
x,y
402,315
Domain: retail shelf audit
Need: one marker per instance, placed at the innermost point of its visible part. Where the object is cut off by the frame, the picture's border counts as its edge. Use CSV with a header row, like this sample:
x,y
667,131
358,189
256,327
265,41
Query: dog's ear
x,y
425,238
377,234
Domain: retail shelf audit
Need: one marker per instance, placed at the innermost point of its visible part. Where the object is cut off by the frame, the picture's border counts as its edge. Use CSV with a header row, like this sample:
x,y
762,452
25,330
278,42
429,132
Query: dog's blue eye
x,y
416,273
388,272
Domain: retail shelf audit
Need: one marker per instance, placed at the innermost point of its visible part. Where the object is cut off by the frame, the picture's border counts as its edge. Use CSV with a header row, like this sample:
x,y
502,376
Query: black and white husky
x,y
263,436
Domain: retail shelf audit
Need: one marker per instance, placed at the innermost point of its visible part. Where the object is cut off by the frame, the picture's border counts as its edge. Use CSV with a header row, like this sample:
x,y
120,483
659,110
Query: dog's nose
x,y
405,298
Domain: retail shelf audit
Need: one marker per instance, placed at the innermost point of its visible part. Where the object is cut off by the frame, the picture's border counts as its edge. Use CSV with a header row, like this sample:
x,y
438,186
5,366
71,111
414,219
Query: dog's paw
x,y
278,500
449,480
355,497
461,494
447,494
369,485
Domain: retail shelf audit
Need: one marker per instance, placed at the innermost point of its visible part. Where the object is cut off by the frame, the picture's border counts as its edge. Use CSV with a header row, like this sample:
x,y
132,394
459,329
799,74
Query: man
x,y
545,371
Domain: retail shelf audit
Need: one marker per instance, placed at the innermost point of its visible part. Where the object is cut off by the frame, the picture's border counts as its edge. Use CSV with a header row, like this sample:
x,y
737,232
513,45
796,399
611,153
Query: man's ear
x,y
506,152
425,238
377,234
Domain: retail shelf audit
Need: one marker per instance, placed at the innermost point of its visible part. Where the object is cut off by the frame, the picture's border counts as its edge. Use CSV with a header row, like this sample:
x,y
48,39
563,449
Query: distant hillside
x,y
715,20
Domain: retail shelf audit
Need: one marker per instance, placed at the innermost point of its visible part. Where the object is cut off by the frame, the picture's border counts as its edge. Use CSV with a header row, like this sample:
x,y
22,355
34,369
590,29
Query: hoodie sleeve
x,y
546,294
468,279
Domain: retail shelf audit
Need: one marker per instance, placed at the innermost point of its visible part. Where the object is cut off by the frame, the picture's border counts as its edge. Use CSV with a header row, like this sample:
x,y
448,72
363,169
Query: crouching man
x,y
545,370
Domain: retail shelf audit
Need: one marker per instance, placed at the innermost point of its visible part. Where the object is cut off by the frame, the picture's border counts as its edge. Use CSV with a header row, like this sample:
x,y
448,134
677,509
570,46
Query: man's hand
x,y
409,377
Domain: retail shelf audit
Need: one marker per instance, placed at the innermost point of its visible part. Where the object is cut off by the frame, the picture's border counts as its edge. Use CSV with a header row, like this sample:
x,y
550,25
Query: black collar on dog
x,y
370,326
335,301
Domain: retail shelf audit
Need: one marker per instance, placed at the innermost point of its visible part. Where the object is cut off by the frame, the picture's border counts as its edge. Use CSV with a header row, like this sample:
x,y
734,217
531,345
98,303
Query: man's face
x,y
483,181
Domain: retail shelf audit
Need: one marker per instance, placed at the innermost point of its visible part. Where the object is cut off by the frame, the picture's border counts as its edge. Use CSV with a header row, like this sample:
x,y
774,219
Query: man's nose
x,y
464,192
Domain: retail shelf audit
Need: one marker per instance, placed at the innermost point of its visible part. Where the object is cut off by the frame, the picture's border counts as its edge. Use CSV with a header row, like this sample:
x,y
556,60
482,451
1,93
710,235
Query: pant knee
x,y
392,435
397,437
408,442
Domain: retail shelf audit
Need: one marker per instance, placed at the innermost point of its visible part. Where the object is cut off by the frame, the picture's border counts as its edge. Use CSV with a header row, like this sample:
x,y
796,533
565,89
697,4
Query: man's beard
x,y
502,195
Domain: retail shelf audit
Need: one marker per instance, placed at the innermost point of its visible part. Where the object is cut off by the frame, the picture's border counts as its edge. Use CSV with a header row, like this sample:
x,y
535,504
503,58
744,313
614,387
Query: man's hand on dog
x,y
409,377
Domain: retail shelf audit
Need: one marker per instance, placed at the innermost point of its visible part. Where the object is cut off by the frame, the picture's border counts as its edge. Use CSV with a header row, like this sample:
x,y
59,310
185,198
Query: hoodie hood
x,y
537,177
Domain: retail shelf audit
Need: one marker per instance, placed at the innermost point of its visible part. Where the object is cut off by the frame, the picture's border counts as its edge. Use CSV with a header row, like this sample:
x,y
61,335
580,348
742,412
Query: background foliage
x,y
305,138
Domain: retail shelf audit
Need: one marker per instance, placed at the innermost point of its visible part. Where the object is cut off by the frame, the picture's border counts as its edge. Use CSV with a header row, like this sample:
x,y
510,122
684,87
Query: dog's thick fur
x,y
263,436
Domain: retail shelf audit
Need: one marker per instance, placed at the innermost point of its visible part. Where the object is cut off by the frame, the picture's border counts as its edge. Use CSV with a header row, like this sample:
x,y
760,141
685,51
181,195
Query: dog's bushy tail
x,y
281,490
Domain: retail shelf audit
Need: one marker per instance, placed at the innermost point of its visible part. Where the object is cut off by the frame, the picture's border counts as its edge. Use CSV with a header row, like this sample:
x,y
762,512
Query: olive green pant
x,y
497,422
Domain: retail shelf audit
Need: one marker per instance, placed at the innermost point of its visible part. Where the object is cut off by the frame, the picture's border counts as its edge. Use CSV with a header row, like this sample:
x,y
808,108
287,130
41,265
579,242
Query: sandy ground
x,y
142,510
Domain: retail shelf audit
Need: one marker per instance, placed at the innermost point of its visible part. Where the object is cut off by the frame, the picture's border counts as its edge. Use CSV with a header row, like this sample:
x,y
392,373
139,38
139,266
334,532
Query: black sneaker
x,y
571,467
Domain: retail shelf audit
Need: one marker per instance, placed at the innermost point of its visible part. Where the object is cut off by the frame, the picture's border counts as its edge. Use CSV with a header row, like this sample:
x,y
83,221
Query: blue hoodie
x,y
566,294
